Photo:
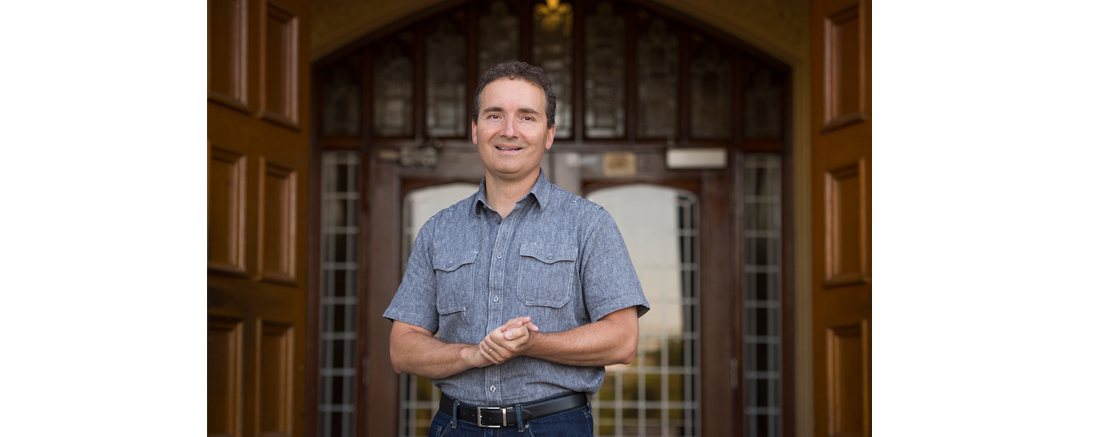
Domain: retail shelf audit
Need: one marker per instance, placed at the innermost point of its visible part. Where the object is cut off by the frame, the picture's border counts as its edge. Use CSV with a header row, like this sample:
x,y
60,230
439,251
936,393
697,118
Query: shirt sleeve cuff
x,y
613,305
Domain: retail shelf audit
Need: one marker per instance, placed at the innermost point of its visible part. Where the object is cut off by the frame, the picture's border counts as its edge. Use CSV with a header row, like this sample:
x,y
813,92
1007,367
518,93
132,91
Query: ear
x,y
550,136
473,131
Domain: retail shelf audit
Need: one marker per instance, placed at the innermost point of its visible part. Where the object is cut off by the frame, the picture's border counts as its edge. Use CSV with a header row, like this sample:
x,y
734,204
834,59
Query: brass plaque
x,y
620,164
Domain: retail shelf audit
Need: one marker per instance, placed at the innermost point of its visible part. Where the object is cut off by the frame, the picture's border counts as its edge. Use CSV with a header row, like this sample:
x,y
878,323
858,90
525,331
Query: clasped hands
x,y
506,342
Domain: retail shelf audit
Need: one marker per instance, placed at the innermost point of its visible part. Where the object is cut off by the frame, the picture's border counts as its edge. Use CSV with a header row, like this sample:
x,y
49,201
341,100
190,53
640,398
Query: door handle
x,y
733,374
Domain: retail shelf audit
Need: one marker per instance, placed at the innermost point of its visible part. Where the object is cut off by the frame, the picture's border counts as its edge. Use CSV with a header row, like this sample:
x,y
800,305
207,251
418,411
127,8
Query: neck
x,y
502,195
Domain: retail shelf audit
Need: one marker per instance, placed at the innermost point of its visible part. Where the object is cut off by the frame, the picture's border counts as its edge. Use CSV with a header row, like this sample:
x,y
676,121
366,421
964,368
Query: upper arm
x,y
625,322
414,300
626,319
608,278
403,343
400,328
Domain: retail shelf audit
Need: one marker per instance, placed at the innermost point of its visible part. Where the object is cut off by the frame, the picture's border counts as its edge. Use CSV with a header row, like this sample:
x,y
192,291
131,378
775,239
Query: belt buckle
x,y
503,417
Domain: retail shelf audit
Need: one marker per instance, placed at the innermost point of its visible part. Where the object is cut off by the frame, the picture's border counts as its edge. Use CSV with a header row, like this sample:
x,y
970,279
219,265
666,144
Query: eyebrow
x,y
521,110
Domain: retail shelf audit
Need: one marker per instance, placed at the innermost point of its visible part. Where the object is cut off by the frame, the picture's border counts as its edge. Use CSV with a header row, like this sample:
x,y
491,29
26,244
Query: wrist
x,y
532,346
473,357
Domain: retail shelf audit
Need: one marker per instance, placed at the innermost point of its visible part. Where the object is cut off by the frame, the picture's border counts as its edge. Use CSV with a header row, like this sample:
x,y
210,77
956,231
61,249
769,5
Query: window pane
x,y
498,36
553,51
340,113
446,70
604,42
763,107
711,85
658,60
393,90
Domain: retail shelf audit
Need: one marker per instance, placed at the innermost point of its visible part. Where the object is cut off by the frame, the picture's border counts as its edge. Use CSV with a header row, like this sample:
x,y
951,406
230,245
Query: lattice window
x,y
339,301
762,304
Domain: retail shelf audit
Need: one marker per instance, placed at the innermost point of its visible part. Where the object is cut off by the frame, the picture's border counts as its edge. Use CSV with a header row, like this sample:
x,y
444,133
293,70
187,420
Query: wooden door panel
x,y
846,249
223,376
257,203
846,90
280,74
847,359
276,379
278,195
842,217
226,55
227,174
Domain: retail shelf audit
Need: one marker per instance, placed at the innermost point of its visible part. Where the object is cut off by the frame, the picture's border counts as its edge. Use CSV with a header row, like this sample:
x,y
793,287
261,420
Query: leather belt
x,y
499,417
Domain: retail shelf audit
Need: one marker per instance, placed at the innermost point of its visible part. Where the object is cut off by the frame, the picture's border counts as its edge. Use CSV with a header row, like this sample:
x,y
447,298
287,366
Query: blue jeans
x,y
576,422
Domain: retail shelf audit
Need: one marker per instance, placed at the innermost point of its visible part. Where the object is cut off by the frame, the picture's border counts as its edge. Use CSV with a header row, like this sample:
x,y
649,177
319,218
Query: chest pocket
x,y
454,277
547,273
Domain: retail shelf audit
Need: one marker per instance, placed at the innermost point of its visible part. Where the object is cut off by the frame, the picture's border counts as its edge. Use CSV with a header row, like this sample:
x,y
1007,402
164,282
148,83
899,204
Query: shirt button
x,y
448,264
498,256
550,256
496,298
492,388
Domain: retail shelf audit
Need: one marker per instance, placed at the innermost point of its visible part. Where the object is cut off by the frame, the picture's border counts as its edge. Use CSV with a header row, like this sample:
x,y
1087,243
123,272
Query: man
x,y
529,287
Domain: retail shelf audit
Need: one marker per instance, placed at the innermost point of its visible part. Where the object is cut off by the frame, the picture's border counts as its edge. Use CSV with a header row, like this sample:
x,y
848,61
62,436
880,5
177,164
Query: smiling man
x,y
515,298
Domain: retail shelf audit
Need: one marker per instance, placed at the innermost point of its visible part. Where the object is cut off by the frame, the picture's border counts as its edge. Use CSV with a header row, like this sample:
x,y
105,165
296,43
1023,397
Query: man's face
x,y
510,131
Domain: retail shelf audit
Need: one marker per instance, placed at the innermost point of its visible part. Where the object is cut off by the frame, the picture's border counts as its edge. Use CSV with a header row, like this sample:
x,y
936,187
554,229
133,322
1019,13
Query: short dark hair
x,y
514,69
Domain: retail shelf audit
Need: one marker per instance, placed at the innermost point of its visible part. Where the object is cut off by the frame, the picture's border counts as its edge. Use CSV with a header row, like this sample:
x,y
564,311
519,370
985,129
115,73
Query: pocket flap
x,y
451,261
549,253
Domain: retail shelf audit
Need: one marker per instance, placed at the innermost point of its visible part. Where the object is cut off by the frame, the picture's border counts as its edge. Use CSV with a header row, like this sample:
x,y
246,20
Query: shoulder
x,y
458,211
450,216
571,203
581,215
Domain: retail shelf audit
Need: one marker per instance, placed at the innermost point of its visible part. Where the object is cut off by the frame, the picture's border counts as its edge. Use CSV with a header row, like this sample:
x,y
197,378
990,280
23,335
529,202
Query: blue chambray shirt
x,y
558,258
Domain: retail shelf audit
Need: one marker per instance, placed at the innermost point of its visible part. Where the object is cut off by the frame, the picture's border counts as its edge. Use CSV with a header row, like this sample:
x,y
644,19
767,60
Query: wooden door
x,y
842,217
257,205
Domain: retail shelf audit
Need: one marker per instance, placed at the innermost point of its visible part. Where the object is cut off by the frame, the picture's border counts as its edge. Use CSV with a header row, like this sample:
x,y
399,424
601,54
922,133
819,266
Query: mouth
x,y
508,148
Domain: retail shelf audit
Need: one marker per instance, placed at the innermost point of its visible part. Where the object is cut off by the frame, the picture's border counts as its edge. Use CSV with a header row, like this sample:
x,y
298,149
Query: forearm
x,y
611,340
414,350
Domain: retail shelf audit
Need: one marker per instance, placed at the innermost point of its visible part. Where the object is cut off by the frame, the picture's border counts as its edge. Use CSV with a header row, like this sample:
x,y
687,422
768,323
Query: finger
x,y
531,326
515,323
516,333
501,353
491,355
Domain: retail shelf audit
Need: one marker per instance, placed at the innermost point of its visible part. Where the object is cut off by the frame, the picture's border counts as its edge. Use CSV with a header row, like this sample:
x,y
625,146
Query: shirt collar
x,y
541,193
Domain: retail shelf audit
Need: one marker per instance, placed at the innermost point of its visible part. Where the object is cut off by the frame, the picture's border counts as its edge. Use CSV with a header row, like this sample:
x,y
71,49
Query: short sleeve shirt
x,y
557,257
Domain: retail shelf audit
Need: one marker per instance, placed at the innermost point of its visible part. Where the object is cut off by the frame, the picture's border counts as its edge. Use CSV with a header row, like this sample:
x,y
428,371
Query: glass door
x,y
656,394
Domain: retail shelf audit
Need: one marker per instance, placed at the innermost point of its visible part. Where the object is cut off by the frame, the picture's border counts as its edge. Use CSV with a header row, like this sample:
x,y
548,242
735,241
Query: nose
x,y
509,128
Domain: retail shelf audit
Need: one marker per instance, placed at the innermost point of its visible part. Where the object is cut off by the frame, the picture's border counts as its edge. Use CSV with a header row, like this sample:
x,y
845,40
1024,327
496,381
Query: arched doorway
x,y
639,87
